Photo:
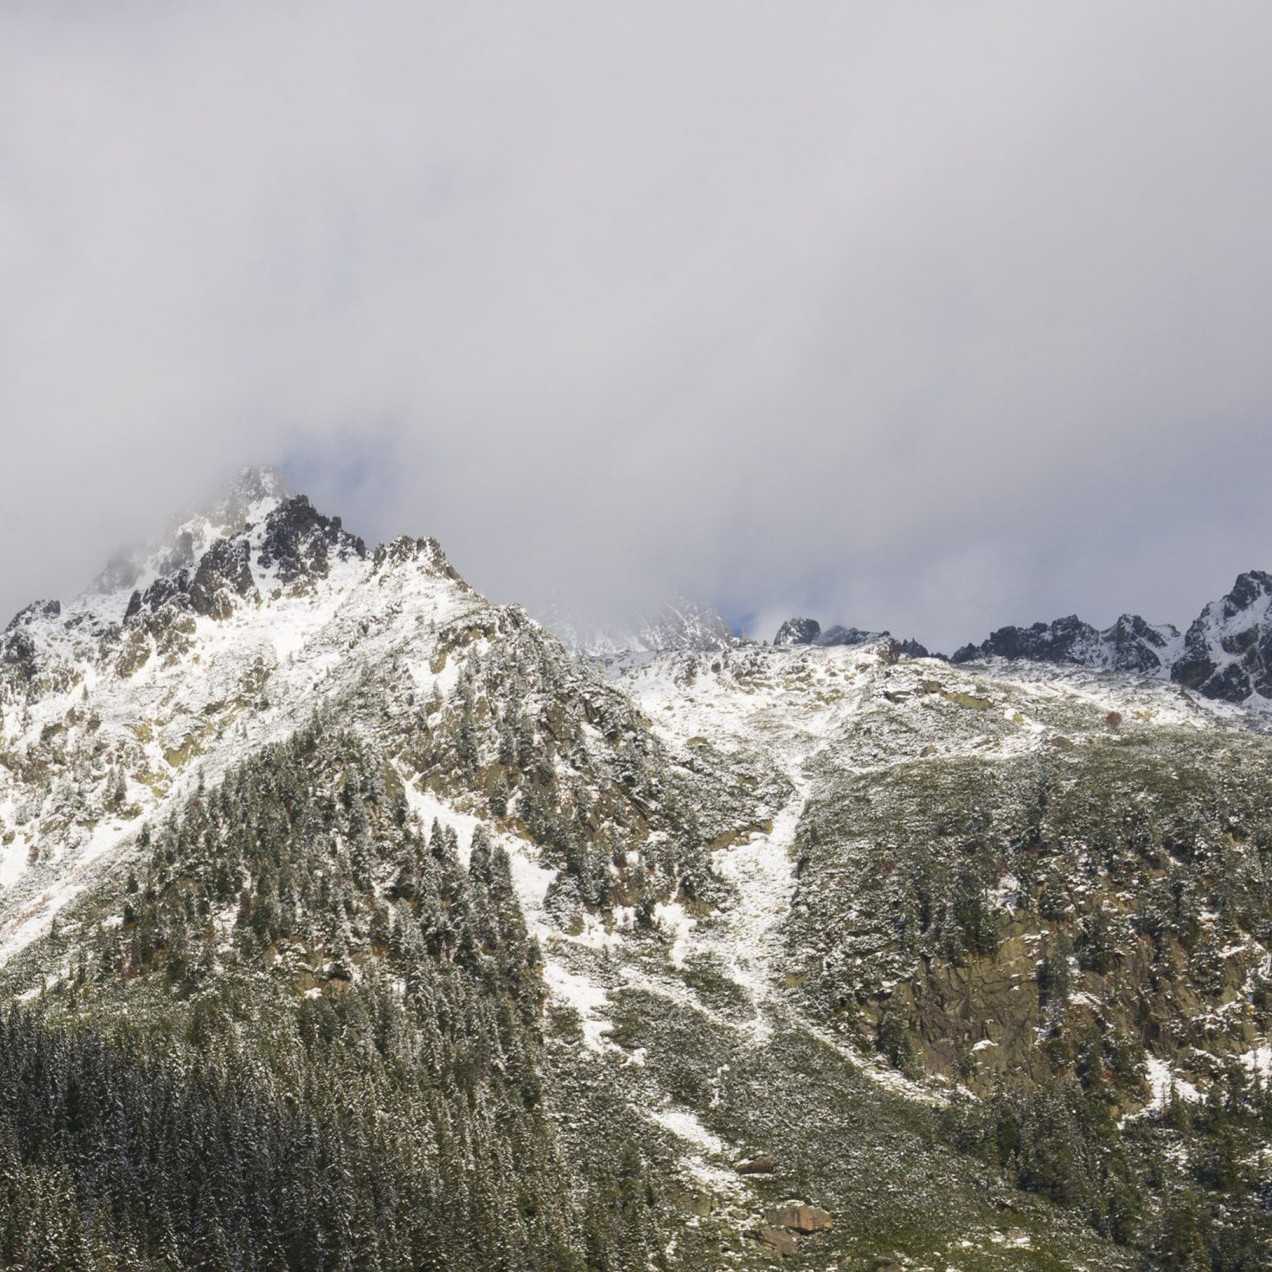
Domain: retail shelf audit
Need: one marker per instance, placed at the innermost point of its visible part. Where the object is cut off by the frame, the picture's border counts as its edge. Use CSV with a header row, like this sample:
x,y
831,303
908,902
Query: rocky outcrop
x,y
1228,649
33,613
299,542
914,649
779,1242
223,575
780,1225
1134,644
798,631
1066,640
808,631
1131,644
18,656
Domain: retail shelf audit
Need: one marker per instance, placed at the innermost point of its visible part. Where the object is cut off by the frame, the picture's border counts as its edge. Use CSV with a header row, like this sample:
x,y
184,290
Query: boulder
x,y
780,1242
799,1217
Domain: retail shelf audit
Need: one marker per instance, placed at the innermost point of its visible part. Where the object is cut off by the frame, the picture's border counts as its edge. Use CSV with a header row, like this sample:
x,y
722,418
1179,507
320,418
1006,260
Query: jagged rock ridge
x,y
1131,644
1228,649
1226,653
808,631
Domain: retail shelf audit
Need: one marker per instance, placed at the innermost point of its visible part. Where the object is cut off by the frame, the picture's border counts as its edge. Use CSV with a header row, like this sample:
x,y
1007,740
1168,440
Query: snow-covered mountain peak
x,y
248,619
1131,644
252,495
831,865
1228,649
678,626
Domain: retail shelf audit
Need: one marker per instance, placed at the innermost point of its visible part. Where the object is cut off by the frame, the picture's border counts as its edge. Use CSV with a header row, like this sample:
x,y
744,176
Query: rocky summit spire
x,y
254,492
248,499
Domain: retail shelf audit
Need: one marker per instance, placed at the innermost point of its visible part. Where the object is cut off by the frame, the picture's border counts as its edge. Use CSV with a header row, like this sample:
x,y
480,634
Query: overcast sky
x,y
926,316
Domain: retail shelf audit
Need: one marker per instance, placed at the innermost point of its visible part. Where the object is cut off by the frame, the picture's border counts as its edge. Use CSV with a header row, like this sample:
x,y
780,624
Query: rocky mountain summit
x,y
679,626
1130,644
348,919
1226,653
808,631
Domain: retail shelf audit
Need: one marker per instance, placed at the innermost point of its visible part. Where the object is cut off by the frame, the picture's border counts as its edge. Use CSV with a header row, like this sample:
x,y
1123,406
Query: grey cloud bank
x,y
917,317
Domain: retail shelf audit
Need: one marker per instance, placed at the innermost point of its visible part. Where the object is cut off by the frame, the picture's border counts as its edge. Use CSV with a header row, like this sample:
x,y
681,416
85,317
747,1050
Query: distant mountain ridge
x,y
1226,653
202,568
679,626
1131,644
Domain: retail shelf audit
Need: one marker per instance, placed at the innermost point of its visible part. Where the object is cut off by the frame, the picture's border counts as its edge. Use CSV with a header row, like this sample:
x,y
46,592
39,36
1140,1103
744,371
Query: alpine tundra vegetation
x,y
351,921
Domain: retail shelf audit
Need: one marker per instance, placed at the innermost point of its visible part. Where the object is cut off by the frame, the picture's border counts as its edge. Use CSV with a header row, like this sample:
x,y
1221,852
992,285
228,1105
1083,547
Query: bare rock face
x,y
1131,644
1134,644
912,648
1066,640
798,631
33,612
18,655
223,574
1228,649
300,541
808,631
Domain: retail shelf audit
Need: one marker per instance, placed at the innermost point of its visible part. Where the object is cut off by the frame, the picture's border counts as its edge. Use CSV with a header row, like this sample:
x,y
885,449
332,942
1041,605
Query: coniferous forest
x,y
388,1116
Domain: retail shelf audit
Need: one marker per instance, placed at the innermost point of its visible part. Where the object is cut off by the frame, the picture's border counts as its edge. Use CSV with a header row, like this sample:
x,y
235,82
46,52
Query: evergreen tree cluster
x,y
564,760
313,1041
1138,873
1059,1139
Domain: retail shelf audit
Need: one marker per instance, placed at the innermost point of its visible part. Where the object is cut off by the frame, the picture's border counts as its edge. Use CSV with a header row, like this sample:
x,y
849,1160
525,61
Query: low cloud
x,y
921,317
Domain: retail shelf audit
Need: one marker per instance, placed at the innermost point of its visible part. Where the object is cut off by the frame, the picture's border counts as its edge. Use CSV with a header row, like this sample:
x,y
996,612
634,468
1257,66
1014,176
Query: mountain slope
x,y
465,951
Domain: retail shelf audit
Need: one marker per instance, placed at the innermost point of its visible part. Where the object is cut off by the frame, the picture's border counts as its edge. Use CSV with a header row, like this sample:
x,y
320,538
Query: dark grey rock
x,y
1066,640
223,574
798,631
299,541
33,613
1130,644
1228,649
